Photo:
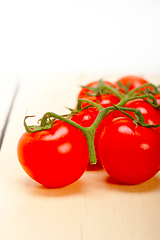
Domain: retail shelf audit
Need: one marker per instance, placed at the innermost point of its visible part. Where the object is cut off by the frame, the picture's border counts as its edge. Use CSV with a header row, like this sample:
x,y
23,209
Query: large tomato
x,y
128,153
52,157
85,118
84,92
134,82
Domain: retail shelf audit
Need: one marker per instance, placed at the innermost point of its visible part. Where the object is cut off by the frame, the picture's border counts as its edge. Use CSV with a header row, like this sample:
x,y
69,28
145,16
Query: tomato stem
x,y
48,118
101,90
150,96
142,86
114,90
81,100
89,133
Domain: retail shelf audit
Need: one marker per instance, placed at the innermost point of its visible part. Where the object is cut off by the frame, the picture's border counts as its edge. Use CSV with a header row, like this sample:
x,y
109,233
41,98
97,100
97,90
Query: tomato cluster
x,y
115,126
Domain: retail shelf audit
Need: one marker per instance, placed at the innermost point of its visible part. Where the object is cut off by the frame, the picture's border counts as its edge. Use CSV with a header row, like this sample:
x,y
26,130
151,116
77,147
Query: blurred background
x,y
80,36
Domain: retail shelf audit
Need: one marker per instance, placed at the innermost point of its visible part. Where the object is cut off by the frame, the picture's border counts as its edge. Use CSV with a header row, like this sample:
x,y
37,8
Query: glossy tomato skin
x,y
84,91
151,115
85,118
128,153
105,100
53,157
135,81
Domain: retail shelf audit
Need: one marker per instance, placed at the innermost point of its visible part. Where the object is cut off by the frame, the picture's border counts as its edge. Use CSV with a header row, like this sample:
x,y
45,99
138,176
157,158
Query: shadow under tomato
x,y
36,189
148,186
71,189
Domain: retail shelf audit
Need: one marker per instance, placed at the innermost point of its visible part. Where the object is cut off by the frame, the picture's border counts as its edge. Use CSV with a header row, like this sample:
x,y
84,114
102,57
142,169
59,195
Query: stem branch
x,y
142,86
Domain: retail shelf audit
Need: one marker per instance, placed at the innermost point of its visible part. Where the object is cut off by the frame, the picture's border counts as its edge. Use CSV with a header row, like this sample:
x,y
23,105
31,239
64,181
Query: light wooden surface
x,y
93,208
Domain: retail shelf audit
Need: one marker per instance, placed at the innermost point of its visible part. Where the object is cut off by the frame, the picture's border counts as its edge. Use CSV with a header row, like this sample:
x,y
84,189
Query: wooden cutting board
x,y
93,208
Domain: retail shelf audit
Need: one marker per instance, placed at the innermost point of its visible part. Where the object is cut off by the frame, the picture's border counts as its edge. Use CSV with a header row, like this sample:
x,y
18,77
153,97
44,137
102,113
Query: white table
x,y
93,208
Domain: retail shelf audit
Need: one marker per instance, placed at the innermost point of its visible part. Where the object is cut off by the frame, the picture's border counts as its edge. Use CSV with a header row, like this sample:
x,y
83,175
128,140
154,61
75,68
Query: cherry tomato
x,y
84,91
151,115
52,157
105,100
134,81
85,118
128,153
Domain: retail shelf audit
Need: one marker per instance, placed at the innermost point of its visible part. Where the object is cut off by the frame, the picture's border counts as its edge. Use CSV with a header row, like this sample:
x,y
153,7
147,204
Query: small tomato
x,y
128,153
54,157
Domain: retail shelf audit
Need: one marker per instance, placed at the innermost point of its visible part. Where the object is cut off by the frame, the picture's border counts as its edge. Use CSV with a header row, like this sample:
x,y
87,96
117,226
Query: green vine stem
x,y
102,87
48,118
142,86
150,96
81,100
89,132
113,90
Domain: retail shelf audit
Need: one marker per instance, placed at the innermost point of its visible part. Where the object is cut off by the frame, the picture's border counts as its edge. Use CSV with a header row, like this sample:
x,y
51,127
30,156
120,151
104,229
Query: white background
x,y
80,35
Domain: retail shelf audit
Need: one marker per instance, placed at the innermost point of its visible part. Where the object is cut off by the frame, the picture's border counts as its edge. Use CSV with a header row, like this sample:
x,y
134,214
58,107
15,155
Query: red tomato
x,y
52,157
85,118
104,100
128,153
134,81
151,115
84,91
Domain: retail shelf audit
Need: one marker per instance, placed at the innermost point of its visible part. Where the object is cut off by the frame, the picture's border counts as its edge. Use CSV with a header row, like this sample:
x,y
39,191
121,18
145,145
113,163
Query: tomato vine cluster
x,y
115,126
